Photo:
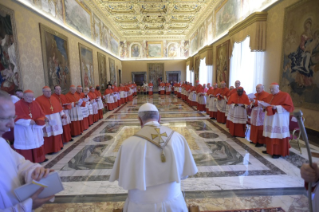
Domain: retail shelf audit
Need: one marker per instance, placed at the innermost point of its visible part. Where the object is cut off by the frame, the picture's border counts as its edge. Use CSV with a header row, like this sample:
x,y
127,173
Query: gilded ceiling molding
x,y
254,26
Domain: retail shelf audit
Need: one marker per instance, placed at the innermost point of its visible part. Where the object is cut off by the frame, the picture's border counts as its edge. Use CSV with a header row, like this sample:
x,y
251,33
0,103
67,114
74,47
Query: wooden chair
x,y
295,132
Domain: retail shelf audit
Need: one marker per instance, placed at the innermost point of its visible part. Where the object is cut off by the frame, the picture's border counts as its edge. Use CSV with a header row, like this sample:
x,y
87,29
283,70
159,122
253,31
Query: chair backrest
x,y
294,124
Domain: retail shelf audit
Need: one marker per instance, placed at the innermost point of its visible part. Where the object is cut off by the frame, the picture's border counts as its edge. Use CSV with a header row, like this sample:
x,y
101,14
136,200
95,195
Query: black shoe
x,y
259,145
275,156
44,160
71,140
265,152
251,142
61,148
51,153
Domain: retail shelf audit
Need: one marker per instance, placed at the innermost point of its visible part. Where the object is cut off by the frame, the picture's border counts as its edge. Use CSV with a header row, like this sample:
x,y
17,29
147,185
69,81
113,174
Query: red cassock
x,y
98,94
162,92
233,91
221,118
93,97
23,109
86,120
238,129
53,143
256,132
66,136
201,91
76,126
277,146
167,92
110,106
150,85
209,92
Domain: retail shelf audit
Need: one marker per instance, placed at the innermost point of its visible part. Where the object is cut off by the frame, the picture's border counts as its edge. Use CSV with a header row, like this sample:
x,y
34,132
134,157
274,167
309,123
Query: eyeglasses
x,y
8,119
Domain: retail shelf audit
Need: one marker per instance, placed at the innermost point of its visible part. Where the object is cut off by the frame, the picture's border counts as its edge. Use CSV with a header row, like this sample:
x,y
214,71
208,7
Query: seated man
x,y
14,169
158,159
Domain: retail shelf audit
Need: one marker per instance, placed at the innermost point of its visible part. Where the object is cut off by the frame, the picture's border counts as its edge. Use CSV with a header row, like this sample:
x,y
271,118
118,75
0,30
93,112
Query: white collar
x,y
152,123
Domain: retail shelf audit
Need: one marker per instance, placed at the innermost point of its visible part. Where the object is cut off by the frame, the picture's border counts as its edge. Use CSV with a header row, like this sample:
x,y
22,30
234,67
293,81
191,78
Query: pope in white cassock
x,y
151,165
14,169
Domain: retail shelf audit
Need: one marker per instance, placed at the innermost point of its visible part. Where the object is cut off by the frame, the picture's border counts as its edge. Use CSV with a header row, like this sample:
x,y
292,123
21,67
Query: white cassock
x,y
237,114
76,112
54,126
277,125
152,185
27,136
14,172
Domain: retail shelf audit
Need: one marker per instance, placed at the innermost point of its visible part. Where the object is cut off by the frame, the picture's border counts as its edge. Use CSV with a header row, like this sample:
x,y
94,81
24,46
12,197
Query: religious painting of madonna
x,y
9,57
86,62
55,56
300,63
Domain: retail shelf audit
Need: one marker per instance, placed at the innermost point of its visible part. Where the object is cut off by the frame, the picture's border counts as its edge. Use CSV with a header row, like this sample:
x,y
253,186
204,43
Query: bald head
x,y
274,89
28,97
259,88
231,87
237,84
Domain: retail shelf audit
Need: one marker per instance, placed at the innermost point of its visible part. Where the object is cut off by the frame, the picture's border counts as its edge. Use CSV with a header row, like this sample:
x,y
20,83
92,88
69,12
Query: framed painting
x,y
112,70
86,63
102,70
155,49
78,17
135,50
227,15
55,54
155,73
300,54
114,45
173,50
222,62
10,75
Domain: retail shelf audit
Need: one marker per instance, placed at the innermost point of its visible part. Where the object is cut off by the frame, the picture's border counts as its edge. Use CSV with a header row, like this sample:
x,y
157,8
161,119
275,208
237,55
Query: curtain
x,y
191,79
246,66
187,74
210,74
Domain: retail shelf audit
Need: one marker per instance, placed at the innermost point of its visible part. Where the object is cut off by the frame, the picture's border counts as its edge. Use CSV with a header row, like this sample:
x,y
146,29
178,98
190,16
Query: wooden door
x,y
172,78
139,78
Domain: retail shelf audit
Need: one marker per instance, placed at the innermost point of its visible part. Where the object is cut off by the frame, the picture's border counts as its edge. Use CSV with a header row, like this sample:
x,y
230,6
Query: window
x,y
188,74
246,66
205,72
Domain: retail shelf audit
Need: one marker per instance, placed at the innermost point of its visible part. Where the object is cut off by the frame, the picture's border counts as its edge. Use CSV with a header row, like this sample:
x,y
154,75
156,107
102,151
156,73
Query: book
x,y
52,185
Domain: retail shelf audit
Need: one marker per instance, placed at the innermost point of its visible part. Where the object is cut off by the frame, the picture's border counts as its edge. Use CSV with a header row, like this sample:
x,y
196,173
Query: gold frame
x,y
82,77
43,29
154,42
84,7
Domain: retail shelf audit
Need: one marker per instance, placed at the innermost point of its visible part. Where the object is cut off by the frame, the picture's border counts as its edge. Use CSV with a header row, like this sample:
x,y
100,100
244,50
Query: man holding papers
x,y
278,107
257,116
52,131
14,169
28,128
237,115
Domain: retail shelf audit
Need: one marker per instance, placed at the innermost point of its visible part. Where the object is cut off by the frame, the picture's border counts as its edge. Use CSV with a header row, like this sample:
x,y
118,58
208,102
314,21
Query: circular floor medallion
x,y
208,135
102,138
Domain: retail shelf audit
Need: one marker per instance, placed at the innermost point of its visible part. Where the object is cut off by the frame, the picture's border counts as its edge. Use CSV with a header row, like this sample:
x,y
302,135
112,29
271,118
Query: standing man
x,y
99,101
238,102
213,102
66,136
221,103
108,95
93,99
76,114
158,150
88,109
162,88
53,130
28,129
208,95
150,88
276,123
257,117
14,169
168,88
201,93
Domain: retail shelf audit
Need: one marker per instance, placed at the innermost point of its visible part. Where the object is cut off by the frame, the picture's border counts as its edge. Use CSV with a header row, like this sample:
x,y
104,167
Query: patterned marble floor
x,y
233,174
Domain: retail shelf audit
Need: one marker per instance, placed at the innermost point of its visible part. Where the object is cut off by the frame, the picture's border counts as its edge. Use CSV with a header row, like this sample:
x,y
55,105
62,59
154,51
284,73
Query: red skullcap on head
x,y
79,86
197,81
72,86
46,87
274,83
208,83
28,91
204,84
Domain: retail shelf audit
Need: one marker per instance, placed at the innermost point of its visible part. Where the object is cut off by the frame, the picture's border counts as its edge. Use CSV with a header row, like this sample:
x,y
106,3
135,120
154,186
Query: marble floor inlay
x,y
230,169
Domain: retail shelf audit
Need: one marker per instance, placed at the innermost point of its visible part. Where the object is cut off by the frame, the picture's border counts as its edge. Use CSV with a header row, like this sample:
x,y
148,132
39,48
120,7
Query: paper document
x,y
251,96
52,185
264,104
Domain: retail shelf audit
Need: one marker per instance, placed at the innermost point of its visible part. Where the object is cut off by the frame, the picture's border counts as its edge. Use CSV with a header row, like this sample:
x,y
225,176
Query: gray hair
x,y
4,95
148,115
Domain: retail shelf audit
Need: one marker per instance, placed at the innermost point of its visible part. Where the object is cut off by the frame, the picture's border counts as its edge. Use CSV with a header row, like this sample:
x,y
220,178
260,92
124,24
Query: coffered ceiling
x,y
165,19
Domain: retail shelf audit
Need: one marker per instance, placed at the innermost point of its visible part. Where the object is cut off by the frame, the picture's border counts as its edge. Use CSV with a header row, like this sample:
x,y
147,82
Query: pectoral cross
x,y
51,108
30,114
159,135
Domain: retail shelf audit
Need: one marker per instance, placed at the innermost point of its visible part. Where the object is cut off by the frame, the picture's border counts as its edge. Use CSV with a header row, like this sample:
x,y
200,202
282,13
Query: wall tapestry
x,y
154,49
86,61
78,17
55,56
222,63
155,74
300,61
112,70
101,61
10,78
